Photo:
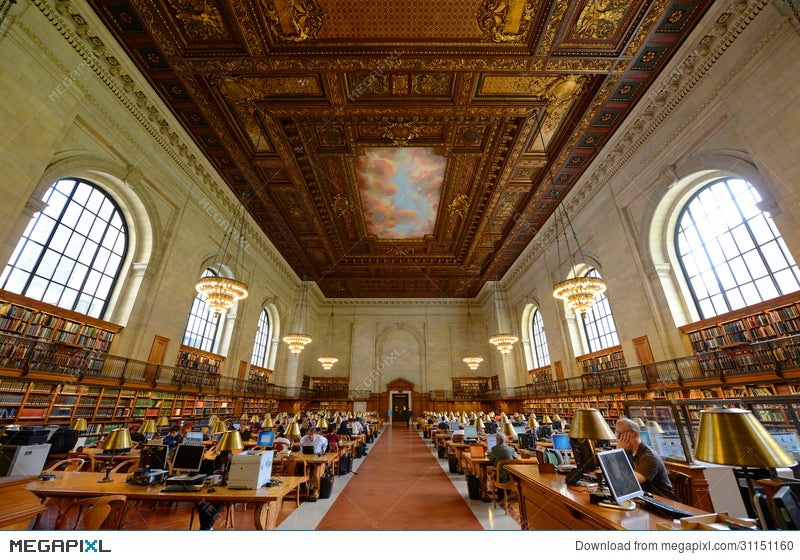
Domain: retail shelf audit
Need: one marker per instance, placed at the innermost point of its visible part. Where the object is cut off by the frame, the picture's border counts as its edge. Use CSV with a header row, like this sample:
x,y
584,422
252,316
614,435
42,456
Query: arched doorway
x,y
400,391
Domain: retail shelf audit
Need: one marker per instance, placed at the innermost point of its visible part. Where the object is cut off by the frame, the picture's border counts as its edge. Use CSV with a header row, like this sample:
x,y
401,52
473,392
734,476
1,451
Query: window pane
x,y
63,229
726,216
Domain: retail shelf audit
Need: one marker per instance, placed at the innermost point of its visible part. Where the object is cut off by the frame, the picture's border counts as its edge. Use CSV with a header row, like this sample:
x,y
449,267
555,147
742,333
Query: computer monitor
x,y
188,458
454,426
153,457
491,441
193,438
490,427
585,459
619,475
266,438
561,442
527,441
520,429
786,508
470,431
545,431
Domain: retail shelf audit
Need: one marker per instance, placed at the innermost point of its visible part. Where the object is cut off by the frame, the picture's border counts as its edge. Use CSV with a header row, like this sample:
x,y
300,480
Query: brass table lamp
x,y
115,441
735,437
229,442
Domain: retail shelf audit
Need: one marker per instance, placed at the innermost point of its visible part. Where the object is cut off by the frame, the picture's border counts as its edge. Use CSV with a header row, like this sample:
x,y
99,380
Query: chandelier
x,y
221,292
328,360
504,340
473,361
296,339
578,292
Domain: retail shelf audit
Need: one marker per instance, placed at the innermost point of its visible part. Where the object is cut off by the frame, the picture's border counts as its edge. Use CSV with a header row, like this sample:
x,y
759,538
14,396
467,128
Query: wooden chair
x,y
681,486
67,465
295,465
126,466
281,446
91,514
508,488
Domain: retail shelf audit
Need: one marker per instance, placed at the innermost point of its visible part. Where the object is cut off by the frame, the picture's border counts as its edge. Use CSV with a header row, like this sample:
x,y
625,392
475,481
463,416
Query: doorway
x,y
399,408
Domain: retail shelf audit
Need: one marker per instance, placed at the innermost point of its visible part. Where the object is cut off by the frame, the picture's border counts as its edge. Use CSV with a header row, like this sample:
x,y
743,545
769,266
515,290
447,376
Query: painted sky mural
x,y
400,190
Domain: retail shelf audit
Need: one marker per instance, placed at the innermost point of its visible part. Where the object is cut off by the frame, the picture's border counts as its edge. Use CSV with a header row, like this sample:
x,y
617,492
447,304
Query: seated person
x,y
459,431
648,467
333,438
344,429
312,438
499,452
136,435
280,443
173,438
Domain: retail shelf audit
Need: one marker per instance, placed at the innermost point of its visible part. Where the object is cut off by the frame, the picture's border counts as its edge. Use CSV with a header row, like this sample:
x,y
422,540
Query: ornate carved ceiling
x,y
285,96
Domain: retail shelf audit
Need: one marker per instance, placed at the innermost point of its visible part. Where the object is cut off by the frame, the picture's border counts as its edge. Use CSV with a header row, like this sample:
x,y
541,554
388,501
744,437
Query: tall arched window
x,y
202,326
598,322
263,338
71,253
541,355
730,251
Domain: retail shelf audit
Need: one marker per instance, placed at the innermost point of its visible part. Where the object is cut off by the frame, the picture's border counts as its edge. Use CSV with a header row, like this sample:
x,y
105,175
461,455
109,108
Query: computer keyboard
x,y
662,508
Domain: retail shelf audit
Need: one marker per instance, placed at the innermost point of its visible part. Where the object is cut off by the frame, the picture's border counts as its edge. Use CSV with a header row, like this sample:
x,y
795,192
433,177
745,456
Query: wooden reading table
x,y
547,503
78,485
318,463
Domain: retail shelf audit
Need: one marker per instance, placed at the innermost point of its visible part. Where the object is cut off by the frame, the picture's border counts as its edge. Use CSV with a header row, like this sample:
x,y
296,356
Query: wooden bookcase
x,y
751,339
474,387
37,335
330,387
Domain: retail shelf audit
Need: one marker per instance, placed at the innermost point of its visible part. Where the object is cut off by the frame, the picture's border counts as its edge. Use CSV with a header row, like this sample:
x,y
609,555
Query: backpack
x,y
63,440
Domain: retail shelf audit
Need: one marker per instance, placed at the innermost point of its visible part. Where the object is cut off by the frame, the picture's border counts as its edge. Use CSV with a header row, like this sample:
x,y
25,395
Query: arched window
x,y
541,355
202,326
71,253
598,322
263,338
730,251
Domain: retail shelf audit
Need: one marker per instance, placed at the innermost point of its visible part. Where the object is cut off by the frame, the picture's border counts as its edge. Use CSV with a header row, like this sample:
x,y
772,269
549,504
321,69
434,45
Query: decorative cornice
x,y
106,63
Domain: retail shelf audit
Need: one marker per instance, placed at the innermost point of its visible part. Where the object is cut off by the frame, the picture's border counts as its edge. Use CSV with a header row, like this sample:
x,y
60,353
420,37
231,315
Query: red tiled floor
x,y
400,486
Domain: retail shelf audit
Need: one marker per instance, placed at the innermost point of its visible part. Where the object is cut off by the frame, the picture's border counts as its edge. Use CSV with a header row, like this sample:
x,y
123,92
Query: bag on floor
x,y
441,450
359,451
345,464
326,485
370,438
452,463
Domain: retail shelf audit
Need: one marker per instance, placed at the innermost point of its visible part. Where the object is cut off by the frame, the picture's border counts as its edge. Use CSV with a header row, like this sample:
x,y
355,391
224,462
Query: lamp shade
x,y
508,430
162,422
655,426
293,432
532,422
546,419
230,441
588,423
639,421
79,425
220,427
148,427
116,440
479,423
322,424
254,419
267,422
733,436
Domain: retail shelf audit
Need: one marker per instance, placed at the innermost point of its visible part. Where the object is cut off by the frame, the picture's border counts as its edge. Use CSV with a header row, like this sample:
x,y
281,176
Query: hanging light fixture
x,y
504,340
472,360
329,359
219,291
296,339
578,292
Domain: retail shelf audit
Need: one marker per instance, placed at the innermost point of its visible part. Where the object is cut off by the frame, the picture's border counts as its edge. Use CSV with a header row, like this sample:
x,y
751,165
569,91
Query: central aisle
x,y
400,486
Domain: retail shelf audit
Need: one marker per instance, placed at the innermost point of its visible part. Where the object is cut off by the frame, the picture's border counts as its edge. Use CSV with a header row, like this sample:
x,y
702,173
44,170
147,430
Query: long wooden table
x,y
317,464
547,503
78,485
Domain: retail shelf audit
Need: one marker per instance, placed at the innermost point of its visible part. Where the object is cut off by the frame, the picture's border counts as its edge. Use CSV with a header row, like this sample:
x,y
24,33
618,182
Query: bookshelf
x,y
330,387
601,369
474,387
749,340
39,336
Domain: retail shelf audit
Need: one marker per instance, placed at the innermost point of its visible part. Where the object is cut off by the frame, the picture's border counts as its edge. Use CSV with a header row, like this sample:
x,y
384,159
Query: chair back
x,y
67,465
93,514
281,445
126,466
458,438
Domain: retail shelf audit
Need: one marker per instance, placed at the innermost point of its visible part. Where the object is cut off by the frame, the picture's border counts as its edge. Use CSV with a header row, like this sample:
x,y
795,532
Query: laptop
x,y
308,450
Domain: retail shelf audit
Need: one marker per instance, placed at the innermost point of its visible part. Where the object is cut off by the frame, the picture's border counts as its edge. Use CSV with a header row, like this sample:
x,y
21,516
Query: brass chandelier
x,y
473,361
219,291
504,340
329,359
297,339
